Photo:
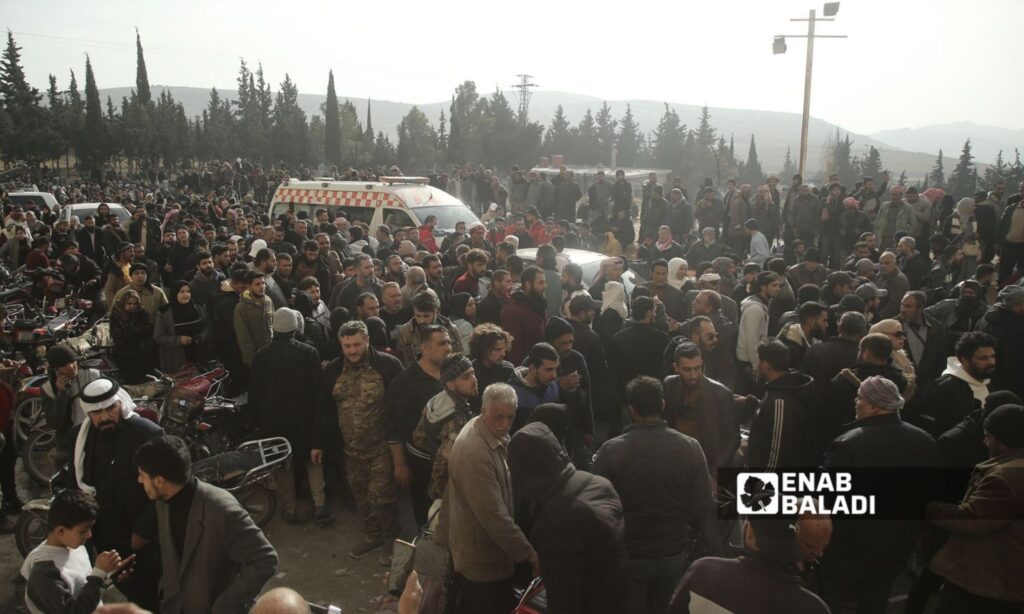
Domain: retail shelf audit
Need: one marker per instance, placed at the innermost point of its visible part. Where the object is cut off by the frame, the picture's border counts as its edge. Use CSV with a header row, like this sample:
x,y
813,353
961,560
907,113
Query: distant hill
x,y
912,151
986,141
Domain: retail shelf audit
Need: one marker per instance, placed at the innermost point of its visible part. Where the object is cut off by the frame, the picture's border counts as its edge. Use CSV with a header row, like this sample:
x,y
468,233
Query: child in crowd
x,y
59,574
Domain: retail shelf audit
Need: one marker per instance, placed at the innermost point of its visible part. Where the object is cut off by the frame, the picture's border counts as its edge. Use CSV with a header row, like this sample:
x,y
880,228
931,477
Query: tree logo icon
x,y
757,493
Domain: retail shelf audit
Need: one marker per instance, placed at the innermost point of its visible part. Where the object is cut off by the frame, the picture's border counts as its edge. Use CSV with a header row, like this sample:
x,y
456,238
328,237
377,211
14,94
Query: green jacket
x,y
254,321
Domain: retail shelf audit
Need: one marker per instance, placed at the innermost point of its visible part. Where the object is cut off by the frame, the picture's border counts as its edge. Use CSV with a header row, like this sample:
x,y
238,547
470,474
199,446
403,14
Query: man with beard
x,y
622,193
895,284
347,294
701,407
575,390
962,387
673,298
179,256
874,358
799,336
868,197
710,211
806,215
523,316
753,325
312,265
207,279
104,466
960,315
894,216
778,432
926,337
913,263
1005,322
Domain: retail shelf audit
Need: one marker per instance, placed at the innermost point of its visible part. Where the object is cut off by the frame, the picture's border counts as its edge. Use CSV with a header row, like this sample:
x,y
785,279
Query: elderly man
x,y
894,282
476,521
865,557
104,466
894,216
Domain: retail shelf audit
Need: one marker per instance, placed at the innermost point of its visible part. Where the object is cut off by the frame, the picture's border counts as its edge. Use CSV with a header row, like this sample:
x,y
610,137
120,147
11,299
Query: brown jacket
x,y
985,552
476,515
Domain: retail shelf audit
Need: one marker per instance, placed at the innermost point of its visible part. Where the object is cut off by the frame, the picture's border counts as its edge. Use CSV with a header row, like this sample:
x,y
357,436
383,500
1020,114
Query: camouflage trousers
x,y
371,476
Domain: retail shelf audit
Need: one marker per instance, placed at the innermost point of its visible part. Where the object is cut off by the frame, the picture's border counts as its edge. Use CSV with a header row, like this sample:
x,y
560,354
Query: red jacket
x,y
539,233
427,240
468,284
523,318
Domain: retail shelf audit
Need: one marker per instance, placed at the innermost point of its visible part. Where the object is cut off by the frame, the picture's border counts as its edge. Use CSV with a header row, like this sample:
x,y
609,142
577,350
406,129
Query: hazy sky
x,y
907,63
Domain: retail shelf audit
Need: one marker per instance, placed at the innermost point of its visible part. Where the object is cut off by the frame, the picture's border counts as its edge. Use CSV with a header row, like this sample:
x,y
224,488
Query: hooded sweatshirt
x,y
529,396
978,388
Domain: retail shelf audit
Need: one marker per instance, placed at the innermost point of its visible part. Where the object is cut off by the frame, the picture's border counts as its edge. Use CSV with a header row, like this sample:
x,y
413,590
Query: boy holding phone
x,y
59,574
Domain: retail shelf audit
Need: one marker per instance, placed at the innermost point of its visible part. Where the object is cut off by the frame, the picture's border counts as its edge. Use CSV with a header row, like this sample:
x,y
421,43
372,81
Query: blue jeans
x,y
654,580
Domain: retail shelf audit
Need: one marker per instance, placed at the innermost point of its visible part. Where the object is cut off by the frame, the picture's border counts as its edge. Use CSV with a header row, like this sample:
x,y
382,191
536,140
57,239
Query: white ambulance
x,y
399,202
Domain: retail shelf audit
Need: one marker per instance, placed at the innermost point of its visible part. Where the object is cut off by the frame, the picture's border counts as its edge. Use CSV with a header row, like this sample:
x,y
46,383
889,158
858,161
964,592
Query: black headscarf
x,y
187,320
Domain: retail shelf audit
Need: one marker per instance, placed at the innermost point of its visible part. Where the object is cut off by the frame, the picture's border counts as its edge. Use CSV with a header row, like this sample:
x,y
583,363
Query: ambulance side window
x,y
357,214
397,218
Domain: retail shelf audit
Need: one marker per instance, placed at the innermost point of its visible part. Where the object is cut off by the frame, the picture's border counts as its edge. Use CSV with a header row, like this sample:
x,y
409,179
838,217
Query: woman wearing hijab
x,y
463,315
613,312
378,332
182,329
678,269
132,332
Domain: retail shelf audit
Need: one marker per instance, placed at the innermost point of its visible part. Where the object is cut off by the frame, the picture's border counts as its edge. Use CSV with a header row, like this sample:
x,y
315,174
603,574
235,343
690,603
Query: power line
x,y
523,93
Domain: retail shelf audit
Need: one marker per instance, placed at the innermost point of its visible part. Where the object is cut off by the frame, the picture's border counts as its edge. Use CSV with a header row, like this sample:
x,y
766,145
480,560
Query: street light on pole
x,y
779,47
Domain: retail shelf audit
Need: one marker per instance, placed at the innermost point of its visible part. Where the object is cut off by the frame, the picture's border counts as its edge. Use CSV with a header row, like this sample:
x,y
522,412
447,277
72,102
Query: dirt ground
x,y
312,560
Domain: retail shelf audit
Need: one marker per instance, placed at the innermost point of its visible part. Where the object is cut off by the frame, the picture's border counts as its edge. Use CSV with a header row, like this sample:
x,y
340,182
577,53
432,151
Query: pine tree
x,y
587,148
630,140
141,77
352,151
416,143
290,134
871,166
788,166
996,172
442,136
752,172
92,148
465,140
368,144
963,181
732,147
332,125
58,145
28,131
937,176
558,138
669,141
1015,174
605,133
705,134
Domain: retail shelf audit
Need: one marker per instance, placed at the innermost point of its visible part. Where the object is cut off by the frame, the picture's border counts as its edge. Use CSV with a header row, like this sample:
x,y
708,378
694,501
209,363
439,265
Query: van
x,y
398,202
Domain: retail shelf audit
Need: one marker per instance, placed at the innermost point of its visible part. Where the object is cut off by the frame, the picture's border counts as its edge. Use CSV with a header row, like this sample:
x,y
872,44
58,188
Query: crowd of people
x,y
540,423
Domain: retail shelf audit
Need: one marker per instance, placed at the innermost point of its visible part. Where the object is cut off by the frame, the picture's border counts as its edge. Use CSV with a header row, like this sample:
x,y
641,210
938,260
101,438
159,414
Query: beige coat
x,y
476,515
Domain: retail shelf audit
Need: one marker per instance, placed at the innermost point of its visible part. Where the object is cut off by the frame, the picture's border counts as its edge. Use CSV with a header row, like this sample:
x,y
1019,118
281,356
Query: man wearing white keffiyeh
x,y
104,466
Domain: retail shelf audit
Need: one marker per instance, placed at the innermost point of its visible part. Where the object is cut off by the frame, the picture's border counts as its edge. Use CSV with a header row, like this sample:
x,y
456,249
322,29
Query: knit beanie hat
x,y
555,328
60,355
1006,423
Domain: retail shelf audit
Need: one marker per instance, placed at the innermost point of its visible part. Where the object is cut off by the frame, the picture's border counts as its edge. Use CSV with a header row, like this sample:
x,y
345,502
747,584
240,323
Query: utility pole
x,y
779,47
523,93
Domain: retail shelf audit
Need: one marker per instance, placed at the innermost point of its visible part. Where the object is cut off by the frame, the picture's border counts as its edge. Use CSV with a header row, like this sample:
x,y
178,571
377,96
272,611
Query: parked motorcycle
x,y
242,472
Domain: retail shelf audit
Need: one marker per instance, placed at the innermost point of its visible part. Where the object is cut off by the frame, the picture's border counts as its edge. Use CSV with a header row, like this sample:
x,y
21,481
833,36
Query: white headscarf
x,y
673,271
514,240
614,297
98,389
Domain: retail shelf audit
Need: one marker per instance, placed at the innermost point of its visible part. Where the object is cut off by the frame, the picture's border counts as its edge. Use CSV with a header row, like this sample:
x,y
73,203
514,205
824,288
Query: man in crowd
x,y
407,396
426,312
351,398
524,315
477,521
962,386
204,570
104,466
753,325
253,317
661,502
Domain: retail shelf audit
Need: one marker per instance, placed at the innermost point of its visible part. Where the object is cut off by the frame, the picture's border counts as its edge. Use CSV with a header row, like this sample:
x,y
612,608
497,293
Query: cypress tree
x,y
332,125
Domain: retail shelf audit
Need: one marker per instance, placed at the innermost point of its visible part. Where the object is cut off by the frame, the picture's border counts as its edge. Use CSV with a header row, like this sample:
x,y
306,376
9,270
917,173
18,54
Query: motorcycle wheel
x,y
38,455
28,417
29,531
260,502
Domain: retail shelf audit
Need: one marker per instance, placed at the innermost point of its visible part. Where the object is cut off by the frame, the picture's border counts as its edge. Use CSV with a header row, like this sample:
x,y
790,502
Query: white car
x,y
83,209
589,261
39,200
